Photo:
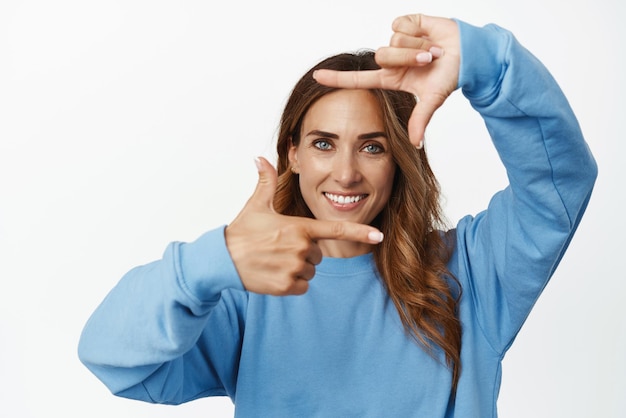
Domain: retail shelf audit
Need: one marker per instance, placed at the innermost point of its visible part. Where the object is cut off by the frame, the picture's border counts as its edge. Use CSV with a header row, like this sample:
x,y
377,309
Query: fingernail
x,y
257,162
314,74
375,236
436,51
420,144
424,57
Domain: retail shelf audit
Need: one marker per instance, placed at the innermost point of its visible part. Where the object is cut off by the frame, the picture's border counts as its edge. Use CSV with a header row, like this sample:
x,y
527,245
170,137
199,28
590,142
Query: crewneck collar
x,y
355,265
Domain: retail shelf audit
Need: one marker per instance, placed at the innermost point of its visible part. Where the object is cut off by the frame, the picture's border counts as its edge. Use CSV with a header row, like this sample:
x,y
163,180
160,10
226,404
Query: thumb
x,y
422,113
266,187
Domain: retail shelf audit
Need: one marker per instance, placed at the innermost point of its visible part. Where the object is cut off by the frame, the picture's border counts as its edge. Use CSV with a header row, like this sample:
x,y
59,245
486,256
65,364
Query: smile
x,y
344,200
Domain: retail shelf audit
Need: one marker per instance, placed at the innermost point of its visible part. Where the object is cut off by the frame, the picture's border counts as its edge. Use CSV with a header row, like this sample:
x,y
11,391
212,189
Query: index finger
x,y
368,79
342,230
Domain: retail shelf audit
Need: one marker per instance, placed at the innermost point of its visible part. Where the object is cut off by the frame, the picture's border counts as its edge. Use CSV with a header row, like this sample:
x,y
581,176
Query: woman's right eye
x,y
322,145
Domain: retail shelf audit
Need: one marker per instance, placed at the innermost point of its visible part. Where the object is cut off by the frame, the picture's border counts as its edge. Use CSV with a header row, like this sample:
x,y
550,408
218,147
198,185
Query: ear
x,y
293,158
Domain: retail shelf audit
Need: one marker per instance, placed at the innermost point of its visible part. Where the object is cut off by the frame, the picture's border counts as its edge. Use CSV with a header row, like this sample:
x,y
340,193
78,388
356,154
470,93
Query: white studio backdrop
x,y
125,125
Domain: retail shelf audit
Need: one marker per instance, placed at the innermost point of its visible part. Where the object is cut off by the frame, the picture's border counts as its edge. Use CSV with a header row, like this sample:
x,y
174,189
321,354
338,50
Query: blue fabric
x,y
183,327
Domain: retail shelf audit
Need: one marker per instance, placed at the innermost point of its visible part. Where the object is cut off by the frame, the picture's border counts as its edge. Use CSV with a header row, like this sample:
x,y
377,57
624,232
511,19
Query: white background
x,y
125,125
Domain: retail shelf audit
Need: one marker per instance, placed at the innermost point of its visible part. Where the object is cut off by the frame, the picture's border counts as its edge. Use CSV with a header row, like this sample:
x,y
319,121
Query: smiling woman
x,y
396,315
354,144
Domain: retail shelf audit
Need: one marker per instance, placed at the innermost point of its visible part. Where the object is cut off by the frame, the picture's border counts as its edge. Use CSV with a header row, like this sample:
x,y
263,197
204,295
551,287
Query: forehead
x,y
345,110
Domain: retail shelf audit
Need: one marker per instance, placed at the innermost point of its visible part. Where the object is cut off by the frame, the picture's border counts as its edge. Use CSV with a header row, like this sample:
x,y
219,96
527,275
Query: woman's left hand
x,y
423,58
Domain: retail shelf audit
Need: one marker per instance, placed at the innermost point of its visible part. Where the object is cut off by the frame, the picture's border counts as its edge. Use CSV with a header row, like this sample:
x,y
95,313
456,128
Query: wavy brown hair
x,y
413,263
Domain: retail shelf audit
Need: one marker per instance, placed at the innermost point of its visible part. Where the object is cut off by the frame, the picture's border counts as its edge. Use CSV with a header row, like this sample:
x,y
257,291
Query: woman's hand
x,y
277,254
422,58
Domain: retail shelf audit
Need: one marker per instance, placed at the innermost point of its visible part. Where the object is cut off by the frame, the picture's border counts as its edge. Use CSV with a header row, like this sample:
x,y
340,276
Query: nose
x,y
346,169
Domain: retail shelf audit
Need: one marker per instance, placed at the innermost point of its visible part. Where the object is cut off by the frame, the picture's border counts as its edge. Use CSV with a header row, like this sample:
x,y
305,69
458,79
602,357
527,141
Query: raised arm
x,y
506,254
510,251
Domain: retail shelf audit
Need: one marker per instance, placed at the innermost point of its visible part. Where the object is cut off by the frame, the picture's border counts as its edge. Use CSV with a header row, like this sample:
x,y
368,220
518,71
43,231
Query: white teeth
x,y
342,200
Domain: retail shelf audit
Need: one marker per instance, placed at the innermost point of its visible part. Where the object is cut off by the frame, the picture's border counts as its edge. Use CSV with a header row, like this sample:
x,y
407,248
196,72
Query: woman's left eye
x,y
373,148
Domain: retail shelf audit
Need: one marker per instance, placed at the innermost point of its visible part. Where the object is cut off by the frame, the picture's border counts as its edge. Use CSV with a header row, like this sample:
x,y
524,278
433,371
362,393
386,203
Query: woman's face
x,y
344,163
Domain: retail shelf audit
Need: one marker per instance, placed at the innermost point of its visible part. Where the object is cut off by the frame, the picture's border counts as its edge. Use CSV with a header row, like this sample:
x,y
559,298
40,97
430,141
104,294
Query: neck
x,y
343,249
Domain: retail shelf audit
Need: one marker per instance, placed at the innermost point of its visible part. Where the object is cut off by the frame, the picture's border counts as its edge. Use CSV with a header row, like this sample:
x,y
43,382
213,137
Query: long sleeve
x,y
146,339
510,251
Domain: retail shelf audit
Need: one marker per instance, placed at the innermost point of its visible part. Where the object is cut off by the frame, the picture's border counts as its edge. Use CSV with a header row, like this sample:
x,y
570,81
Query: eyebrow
x,y
369,135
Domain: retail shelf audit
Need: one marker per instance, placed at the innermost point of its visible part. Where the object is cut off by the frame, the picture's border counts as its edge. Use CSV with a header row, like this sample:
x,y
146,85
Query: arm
x,y
148,332
513,248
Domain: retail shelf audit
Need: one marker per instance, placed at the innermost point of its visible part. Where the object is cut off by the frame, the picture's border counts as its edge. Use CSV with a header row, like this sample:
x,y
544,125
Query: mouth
x,y
341,199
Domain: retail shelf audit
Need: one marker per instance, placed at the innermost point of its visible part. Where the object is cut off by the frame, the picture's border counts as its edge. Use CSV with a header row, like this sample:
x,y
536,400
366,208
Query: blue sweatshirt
x,y
184,327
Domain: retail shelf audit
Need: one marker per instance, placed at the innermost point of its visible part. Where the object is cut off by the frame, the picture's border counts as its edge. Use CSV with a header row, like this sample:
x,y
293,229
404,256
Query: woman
x,y
415,324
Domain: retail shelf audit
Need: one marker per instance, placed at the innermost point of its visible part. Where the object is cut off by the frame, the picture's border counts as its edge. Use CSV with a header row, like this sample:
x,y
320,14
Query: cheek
x,y
307,179
386,178
312,169
385,186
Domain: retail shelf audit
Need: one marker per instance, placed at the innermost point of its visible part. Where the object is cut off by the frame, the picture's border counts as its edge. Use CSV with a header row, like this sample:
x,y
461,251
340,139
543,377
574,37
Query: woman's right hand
x,y
276,254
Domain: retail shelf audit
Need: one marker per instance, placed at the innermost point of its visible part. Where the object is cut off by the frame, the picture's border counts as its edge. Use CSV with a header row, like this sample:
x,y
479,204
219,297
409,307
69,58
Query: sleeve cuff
x,y
206,268
483,61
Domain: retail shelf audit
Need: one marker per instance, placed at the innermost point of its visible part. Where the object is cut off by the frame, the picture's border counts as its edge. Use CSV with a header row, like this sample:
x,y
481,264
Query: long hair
x,y
412,261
